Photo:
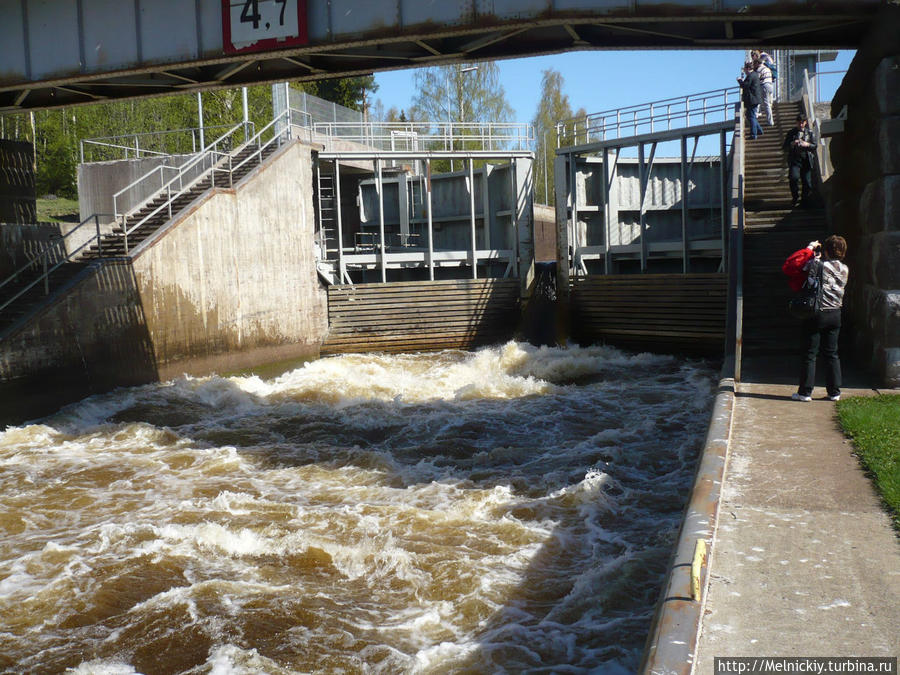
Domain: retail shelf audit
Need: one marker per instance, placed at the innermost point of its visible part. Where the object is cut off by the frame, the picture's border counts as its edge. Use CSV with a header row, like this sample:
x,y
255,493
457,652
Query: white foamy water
x,y
507,510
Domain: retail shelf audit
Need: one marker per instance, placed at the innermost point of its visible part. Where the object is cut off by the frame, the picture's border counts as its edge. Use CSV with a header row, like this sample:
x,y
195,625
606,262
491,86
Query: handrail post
x,y
99,238
46,277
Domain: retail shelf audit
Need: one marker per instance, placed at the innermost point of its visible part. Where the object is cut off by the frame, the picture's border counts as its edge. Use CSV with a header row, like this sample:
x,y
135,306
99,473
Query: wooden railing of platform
x,y
421,315
659,312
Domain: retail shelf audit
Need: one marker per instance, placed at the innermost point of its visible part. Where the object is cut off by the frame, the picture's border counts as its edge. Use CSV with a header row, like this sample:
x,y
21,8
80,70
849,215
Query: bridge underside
x,y
171,47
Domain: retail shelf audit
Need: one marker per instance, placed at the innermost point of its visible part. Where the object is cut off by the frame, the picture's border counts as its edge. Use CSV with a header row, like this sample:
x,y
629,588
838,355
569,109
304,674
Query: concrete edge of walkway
x,y
672,642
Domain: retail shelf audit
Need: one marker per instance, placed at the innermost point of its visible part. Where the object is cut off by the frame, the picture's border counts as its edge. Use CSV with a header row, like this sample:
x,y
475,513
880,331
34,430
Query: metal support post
x,y
246,114
607,229
381,250
514,212
472,218
574,242
99,238
546,171
561,199
685,263
486,206
642,172
200,115
723,191
430,225
340,235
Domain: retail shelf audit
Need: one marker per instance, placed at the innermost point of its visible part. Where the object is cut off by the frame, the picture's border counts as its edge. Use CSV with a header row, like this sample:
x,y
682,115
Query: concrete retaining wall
x,y
233,281
91,338
230,284
865,195
99,181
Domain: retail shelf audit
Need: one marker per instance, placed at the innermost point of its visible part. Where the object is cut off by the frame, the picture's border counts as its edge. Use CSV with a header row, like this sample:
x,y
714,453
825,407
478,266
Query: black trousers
x,y
821,331
800,173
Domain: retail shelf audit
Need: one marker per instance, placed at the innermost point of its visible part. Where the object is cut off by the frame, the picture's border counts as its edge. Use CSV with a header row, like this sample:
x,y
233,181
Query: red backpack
x,y
793,267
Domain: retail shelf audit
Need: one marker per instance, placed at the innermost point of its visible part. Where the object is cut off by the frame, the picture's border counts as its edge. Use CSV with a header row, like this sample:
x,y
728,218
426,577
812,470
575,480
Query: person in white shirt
x,y
768,83
766,80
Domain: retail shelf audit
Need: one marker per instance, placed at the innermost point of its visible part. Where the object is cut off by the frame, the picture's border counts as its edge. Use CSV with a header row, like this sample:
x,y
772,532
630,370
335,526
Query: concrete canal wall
x,y
865,194
230,283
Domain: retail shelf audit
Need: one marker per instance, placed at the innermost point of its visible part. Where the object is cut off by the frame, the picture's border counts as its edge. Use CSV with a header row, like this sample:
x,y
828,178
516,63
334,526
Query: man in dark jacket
x,y
752,96
799,146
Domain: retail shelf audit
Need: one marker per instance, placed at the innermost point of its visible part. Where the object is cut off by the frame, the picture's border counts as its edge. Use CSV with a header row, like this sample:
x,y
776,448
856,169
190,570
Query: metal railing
x,y
734,333
150,144
432,136
204,165
663,115
808,101
52,257
151,183
278,131
812,84
56,253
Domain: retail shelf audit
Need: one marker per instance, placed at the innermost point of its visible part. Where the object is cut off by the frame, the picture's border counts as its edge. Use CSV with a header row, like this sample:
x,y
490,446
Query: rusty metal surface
x,y
671,645
103,50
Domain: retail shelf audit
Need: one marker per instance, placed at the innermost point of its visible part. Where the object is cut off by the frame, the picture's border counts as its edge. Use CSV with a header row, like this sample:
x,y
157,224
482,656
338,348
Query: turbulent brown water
x,y
507,510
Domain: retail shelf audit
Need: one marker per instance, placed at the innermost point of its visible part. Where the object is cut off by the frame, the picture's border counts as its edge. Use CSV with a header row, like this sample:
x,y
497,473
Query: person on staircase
x,y
767,83
799,146
752,94
822,330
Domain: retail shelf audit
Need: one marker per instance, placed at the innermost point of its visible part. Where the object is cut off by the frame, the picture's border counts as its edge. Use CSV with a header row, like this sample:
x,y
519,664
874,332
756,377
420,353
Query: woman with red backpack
x,y
808,267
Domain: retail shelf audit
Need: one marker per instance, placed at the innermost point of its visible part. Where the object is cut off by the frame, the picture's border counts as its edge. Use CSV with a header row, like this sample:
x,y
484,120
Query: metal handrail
x,y
110,141
716,104
487,136
286,131
809,108
42,256
217,158
735,334
208,151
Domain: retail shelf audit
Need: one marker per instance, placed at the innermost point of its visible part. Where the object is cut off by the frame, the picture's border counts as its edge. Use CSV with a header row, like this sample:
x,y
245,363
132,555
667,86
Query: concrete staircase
x,y
772,231
113,244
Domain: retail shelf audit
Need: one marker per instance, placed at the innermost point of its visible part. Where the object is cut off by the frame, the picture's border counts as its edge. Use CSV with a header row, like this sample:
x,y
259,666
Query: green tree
x,y
459,94
553,107
55,158
350,92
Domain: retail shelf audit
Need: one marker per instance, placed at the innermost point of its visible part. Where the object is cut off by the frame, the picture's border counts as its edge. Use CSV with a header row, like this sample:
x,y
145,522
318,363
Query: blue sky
x,y
603,80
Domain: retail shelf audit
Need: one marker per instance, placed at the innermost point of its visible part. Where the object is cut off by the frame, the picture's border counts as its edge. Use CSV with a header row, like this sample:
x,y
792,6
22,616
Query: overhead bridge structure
x,y
64,52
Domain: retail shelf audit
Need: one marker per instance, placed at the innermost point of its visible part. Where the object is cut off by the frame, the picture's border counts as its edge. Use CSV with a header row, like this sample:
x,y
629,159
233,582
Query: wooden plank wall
x,y
421,315
660,312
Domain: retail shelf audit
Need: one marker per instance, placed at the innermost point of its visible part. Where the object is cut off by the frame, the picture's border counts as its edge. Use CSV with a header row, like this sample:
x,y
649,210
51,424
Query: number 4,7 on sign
x,y
251,25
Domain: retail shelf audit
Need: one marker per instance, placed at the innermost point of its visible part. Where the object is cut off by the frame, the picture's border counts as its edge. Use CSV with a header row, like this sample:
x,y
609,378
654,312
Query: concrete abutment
x,y
865,195
229,284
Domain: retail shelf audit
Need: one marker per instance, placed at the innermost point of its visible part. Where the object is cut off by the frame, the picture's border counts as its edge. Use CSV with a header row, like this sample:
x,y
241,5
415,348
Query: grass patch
x,y
59,210
873,423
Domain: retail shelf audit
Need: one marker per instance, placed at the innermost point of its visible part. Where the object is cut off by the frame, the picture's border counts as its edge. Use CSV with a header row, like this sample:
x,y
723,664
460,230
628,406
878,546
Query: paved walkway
x,y
805,562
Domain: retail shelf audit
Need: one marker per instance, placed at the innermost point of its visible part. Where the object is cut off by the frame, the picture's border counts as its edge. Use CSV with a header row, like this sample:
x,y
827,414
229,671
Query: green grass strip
x,y
873,424
59,210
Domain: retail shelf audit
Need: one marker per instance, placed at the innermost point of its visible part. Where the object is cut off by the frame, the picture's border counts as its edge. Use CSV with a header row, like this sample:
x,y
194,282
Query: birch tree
x,y
553,106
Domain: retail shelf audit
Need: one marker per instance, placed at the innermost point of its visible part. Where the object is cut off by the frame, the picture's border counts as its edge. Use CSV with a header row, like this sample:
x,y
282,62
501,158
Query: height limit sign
x,y
255,25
